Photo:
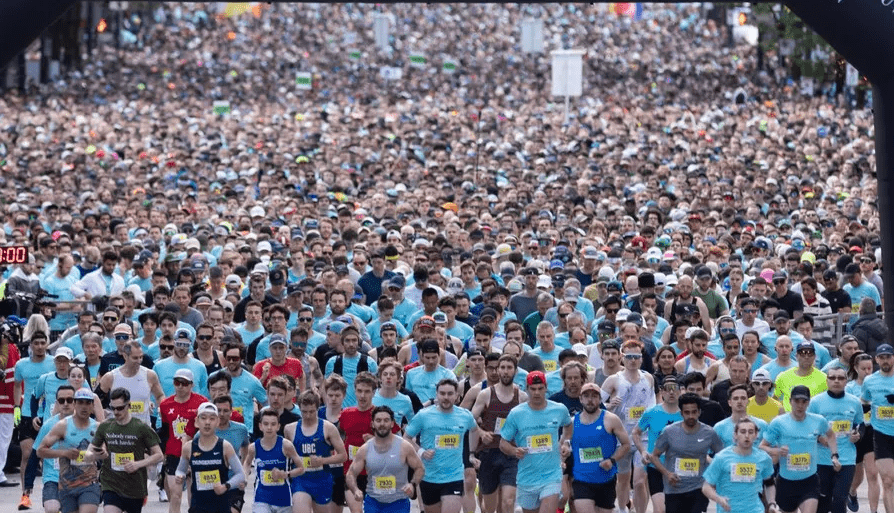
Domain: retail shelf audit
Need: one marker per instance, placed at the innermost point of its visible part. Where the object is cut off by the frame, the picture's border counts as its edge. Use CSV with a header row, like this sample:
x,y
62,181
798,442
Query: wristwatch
x,y
227,486
614,462
835,455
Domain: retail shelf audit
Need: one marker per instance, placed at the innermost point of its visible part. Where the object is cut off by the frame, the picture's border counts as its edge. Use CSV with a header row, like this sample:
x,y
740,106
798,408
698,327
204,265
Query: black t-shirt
x,y
111,361
838,299
790,302
712,412
572,403
720,393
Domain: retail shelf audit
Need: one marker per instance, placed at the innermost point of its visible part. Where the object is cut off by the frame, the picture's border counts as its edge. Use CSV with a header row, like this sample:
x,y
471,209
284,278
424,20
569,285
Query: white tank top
x,y
636,398
140,394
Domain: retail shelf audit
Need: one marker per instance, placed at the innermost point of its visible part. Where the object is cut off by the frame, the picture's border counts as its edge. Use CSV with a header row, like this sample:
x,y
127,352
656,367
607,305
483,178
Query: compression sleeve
x,y
238,474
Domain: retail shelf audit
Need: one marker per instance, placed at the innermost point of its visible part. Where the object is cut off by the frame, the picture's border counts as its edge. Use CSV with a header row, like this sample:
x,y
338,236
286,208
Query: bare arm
x,y
470,397
155,386
357,466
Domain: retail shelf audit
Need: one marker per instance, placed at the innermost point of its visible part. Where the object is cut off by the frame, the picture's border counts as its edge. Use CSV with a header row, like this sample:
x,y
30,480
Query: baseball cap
x,y
780,315
487,312
264,246
590,253
589,387
536,378
203,300
276,338
884,349
571,294
606,327
293,288
387,326
82,394
233,279
123,329
64,352
779,275
398,281
184,374
439,317
206,408
182,335
335,327
425,321
761,376
454,285
669,379
277,277
806,346
474,352
799,392
260,268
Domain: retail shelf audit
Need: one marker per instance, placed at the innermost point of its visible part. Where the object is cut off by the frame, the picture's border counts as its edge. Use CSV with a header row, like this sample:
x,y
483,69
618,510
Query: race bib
x,y
267,479
207,479
447,442
841,427
540,443
239,410
179,428
498,425
119,459
549,365
799,462
743,473
352,451
385,483
590,454
884,412
80,459
137,407
635,412
306,462
867,417
687,467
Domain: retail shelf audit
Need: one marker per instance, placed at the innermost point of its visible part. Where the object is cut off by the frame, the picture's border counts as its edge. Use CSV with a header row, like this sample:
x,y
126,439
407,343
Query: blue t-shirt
x,y
400,404
554,383
550,359
875,388
424,384
725,429
29,372
249,336
654,420
769,341
245,390
60,288
843,414
349,372
859,292
50,465
165,369
801,439
740,478
538,432
443,432
775,369
375,335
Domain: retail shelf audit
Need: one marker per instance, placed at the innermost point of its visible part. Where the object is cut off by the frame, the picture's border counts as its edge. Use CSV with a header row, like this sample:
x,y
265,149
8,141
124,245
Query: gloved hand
x,y
17,415
890,398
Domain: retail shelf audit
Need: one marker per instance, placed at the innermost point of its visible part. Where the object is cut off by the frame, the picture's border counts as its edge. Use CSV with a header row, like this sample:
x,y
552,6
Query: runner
x,y
78,487
652,423
738,403
737,474
497,473
277,464
792,440
861,368
207,458
319,446
531,434
845,413
178,414
141,383
50,477
878,391
128,448
356,427
762,405
386,459
594,434
685,444
236,433
441,429
388,394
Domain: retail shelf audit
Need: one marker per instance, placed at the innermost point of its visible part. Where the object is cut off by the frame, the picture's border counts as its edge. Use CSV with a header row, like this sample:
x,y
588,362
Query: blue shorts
x,y
371,505
50,491
316,484
531,497
72,499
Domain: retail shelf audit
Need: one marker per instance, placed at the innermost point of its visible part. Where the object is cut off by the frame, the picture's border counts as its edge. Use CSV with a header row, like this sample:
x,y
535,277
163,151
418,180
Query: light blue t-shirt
x,y
423,383
875,388
61,287
29,372
349,372
775,369
653,421
550,359
740,478
538,432
725,429
859,292
443,432
249,336
50,465
166,368
400,404
245,389
844,415
769,341
554,383
801,439
375,336
462,331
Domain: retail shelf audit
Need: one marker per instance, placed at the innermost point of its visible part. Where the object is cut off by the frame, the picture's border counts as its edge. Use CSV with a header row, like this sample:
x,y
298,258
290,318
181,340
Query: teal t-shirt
x,y
740,478
538,432
424,384
843,414
550,359
726,429
654,420
400,404
801,439
875,388
443,432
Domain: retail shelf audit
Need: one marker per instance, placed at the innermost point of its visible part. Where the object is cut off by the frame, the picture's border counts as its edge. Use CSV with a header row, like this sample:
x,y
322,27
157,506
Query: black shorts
x,y
171,463
569,466
338,488
687,502
237,498
126,504
497,469
467,461
866,444
602,494
883,445
431,493
655,480
790,494
26,429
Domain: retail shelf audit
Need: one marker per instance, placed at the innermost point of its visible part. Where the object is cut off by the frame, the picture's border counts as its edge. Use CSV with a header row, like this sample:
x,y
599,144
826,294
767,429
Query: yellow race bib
x,y
385,483
549,365
80,459
799,462
590,454
743,473
447,442
498,425
179,428
119,459
635,412
267,479
352,451
239,410
306,461
884,412
687,467
207,479
137,407
841,427
540,443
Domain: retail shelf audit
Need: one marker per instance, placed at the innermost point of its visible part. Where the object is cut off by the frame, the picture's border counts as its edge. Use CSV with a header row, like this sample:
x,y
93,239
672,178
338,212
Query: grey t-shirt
x,y
686,454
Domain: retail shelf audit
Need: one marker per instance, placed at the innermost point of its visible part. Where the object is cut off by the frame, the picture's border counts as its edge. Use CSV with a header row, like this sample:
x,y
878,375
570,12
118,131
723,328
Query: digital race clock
x,y
13,255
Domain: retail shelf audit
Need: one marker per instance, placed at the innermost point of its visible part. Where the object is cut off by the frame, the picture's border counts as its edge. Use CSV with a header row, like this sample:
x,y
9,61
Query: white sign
x,y
418,60
532,35
391,73
304,80
851,76
567,72
381,30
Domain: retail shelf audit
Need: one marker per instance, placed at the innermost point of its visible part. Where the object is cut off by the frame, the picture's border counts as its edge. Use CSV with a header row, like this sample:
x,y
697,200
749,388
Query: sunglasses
x,y
204,337
612,310
119,408
65,400
563,315
122,337
110,319
165,348
181,383
836,378
632,356
806,353
305,319
749,311
670,388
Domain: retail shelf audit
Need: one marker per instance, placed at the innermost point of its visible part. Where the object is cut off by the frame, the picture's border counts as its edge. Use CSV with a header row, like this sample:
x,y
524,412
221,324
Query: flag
x,y
236,8
634,10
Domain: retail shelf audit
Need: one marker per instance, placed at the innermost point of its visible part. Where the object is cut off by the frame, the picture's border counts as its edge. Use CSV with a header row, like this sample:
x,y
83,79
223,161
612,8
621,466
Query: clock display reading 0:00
x,y
14,255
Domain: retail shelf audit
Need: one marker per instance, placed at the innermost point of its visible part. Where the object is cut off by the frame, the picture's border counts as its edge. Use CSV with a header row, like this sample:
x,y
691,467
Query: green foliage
x,y
811,56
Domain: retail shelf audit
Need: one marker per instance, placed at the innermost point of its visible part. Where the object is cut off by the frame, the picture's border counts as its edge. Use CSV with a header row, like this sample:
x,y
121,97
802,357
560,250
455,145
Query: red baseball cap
x,y
536,378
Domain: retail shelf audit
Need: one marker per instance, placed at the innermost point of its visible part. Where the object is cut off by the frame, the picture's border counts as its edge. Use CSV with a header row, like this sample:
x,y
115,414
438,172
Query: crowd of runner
x,y
434,288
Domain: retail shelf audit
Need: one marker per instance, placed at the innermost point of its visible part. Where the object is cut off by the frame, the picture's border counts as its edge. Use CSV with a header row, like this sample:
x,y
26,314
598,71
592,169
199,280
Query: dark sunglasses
x,y
305,319
110,319
119,408
65,400
122,337
182,383
165,348
234,358
204,337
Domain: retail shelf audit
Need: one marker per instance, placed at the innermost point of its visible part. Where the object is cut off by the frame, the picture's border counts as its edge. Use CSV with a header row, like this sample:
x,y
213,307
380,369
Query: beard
x,y
591,409
506,381
383,433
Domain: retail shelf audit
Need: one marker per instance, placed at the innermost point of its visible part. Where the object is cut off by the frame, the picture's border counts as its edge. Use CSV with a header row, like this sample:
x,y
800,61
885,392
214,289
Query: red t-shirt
x,y
180,418
7,384
292,367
